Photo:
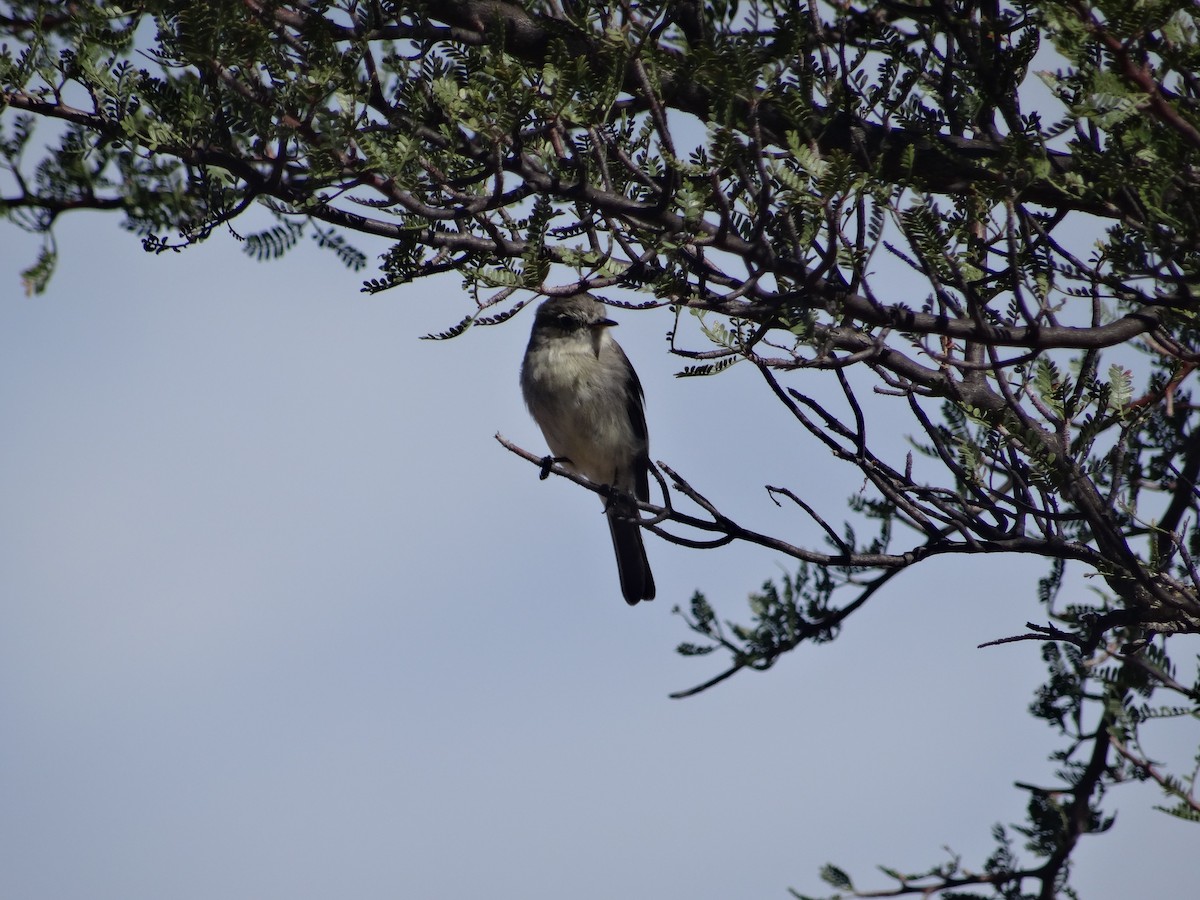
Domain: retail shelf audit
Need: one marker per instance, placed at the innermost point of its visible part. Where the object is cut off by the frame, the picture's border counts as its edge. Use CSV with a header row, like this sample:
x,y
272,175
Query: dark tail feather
x,y
637,582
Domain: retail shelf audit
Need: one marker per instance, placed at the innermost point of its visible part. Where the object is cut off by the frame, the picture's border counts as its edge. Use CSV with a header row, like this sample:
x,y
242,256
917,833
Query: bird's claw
x,y
610,494
548,464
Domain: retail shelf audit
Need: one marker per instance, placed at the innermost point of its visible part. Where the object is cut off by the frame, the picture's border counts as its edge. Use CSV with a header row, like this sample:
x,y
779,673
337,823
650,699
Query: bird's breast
x,y
579,402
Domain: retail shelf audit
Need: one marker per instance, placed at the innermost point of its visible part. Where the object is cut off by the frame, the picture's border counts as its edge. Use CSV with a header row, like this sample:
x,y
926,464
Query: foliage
x,y
1034,168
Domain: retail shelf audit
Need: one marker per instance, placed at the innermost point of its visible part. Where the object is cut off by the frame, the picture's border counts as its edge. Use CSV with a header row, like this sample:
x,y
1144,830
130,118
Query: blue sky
x,y
280,619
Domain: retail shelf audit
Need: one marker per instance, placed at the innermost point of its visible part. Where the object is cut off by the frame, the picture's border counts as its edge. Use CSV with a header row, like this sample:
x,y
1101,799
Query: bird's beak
x,y
605,323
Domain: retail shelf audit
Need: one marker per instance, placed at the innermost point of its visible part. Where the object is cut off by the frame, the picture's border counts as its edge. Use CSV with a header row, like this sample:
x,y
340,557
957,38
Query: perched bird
x,y
586,398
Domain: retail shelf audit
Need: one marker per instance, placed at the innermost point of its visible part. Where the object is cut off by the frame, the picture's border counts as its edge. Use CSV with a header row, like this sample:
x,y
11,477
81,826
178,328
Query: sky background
x,y
280,619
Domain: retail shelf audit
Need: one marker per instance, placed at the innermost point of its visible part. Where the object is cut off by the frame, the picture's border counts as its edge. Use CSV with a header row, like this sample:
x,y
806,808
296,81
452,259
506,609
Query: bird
x,y
584,395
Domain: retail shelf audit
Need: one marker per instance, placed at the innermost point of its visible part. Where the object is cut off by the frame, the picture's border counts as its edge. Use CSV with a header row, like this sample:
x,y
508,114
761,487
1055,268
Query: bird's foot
x,y
615,497
548,463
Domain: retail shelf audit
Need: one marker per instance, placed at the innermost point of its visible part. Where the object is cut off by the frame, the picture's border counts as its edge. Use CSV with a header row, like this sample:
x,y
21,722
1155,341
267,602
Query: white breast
x,y
576,391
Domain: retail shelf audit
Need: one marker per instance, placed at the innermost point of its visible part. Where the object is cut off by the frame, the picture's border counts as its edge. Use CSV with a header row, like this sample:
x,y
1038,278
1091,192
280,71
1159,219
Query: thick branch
x,y
940,163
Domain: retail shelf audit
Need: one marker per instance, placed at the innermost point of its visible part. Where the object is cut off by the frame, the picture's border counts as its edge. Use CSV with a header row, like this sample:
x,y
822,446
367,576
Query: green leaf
x,y
36,276
835,877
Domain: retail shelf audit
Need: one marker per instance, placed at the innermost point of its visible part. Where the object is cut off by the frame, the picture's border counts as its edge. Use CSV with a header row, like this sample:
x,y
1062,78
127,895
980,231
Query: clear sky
x,y
280,619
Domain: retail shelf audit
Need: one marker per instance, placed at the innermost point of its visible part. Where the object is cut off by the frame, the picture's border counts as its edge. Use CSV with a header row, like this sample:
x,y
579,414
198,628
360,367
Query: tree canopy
x,y
980,219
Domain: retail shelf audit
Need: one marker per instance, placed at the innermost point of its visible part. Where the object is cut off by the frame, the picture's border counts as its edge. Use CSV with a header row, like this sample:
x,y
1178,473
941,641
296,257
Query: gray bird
x,y
586,398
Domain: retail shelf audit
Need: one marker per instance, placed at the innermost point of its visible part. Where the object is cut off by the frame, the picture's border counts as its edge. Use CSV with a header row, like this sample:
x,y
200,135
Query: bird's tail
x,y
637,582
